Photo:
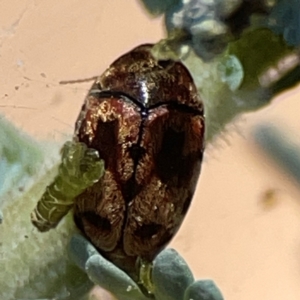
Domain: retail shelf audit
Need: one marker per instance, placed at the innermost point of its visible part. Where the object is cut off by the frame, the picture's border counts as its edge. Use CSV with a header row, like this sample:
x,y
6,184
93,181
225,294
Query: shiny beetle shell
x,y
145,118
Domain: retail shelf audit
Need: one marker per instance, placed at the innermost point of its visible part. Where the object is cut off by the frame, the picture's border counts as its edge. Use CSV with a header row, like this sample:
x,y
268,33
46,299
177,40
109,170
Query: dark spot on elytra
x,y
165,63
136,152
146,231
169,160
105,141
130,189
92,218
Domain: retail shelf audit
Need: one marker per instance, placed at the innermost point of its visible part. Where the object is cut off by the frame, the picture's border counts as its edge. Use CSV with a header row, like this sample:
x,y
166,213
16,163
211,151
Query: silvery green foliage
x,y
171,277
203,290
20,157
209,25
101,271
280,148
33,265
199,19
284,19
157,7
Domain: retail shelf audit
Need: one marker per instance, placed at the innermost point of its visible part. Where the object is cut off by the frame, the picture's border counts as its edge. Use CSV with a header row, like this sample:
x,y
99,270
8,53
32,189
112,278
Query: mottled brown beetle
x,y
145,118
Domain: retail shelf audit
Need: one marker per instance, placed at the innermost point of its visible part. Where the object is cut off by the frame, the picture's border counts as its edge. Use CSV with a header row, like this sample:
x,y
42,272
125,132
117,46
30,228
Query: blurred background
x,y
243,228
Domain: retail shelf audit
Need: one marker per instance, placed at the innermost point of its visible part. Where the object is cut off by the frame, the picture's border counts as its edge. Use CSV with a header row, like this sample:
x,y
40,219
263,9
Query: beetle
x,y
146,120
